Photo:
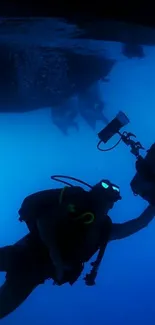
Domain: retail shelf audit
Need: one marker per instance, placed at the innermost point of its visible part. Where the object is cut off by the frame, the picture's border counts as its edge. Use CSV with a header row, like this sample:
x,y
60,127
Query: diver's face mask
x,y
111,190
107,192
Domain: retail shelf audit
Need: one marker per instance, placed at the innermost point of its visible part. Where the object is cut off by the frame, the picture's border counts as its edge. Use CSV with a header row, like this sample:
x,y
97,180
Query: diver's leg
x,y
13,293
6,258
12,253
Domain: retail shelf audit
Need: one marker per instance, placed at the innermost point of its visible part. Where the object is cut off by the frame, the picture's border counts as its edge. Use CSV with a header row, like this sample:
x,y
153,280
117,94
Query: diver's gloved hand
x,y
60,269
59,265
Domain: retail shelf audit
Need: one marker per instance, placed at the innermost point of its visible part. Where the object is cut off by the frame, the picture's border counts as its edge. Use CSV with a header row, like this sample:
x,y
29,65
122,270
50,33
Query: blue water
x,y
32,149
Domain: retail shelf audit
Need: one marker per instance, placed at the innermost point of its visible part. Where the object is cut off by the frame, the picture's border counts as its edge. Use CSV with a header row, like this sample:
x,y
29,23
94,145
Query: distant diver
x,y
89,105
67,226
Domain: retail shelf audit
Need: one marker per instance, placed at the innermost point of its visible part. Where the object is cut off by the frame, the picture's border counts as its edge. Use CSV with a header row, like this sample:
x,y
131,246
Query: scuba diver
x,y
67,226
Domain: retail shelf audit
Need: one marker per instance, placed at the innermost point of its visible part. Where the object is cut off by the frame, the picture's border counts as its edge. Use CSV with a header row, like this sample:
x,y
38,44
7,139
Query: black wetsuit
x,y
27,263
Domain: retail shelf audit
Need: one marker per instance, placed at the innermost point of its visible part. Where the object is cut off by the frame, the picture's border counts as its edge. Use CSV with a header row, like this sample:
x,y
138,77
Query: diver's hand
x,y
61,268
59,273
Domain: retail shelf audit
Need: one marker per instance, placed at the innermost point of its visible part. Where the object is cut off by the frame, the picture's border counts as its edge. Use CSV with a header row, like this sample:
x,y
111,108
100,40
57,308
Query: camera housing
x,y
113,127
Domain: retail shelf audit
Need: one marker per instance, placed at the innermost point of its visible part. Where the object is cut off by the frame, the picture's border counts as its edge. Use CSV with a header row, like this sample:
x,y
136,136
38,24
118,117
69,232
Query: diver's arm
x,y
126,229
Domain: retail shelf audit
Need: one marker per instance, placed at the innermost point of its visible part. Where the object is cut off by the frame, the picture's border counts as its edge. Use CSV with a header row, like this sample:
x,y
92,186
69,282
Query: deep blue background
x,y
32,149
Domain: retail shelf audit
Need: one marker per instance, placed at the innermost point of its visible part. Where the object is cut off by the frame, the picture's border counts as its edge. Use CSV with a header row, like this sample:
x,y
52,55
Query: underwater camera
x,y
143,183
113,127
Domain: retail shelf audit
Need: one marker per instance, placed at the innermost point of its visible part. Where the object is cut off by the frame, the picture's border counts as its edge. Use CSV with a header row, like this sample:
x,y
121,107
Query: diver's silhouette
x,y
67,227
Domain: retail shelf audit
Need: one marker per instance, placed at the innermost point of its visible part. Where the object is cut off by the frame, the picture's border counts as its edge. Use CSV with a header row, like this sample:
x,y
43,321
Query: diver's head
x,y
106,194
